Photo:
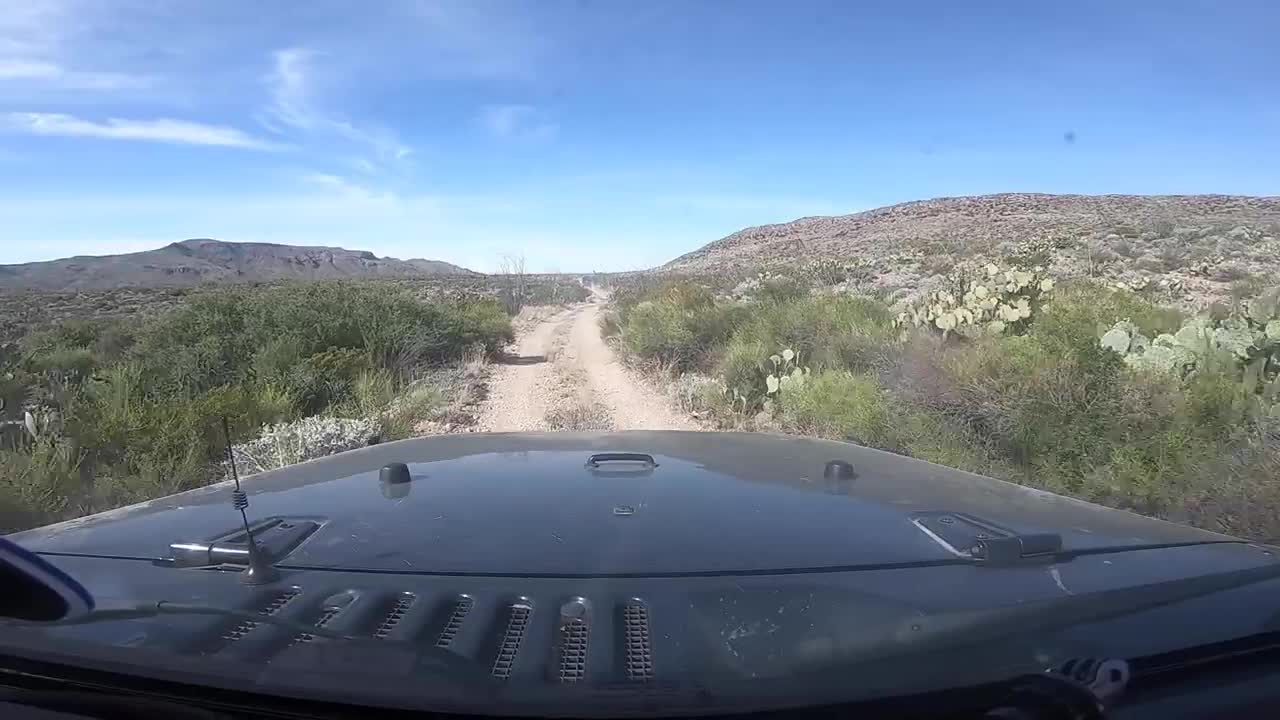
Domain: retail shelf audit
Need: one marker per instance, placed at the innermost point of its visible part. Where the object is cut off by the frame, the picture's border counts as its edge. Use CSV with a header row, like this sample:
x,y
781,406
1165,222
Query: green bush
x,y
137,413
780,290
1047,406
829,331
418,402
484,323
838,404
1082,310
744,365
682,330
39,482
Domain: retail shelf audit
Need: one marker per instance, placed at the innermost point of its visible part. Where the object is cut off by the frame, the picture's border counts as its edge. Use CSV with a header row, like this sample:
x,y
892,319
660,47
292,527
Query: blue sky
x,y
601,135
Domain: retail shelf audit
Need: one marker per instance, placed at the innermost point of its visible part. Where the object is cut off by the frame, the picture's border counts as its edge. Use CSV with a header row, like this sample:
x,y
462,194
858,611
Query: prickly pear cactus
x,y
1250,338
982,300
786,371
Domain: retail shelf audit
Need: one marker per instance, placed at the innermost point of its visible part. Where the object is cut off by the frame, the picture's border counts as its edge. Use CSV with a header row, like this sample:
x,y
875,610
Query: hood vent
x,y
454,623
636,644
394,615
517,624
328,614
273,606
575,631
551,639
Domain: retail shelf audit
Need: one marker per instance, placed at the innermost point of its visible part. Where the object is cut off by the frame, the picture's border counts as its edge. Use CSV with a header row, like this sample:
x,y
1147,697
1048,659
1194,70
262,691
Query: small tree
x,y
511,267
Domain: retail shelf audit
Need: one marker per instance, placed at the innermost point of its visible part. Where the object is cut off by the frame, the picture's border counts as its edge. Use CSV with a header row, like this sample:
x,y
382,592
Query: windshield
x,y
903,288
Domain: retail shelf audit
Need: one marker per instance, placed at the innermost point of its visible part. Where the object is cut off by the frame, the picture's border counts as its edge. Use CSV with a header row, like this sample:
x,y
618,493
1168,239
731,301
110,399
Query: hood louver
x,y
325,617
581,642
575,633
394,615
517,624
638,648
454,623
272,606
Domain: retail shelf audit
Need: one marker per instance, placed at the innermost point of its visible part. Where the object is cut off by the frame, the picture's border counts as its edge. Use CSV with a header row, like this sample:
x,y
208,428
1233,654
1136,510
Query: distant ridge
x,y
202,260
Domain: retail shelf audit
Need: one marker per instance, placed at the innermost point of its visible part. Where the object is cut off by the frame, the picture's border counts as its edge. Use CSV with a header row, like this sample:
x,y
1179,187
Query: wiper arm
x,y
451,663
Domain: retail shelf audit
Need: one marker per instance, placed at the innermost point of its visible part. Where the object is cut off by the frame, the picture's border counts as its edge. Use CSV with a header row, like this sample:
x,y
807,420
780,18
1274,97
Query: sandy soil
x,y
560,375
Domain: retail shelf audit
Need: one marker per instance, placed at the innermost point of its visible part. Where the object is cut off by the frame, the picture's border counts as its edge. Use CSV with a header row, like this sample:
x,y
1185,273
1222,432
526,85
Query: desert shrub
x,y
829,331
139,410
744,365
554,292
307,439
418,402
778,290
1083,311
681,329
838,404
484,324
1048,401
702,396
69,363
216,339
1232,272
610,322
1030,252
371,392
661,330
40,482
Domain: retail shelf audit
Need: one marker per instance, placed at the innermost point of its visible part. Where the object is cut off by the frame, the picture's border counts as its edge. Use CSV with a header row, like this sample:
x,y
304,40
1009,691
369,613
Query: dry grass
x,y
570,404
463,388
579,417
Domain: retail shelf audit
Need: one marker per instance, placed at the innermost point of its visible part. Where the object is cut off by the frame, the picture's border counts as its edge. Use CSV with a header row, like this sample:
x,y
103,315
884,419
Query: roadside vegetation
x,y
1079,388
102,412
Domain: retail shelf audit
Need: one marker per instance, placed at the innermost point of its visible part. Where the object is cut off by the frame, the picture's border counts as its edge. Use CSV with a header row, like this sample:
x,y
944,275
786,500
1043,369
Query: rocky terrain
x,y
199,261
1198,244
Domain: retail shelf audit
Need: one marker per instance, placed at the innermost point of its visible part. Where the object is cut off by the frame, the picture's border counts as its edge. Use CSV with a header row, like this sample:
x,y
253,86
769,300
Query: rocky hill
x,y
194,262
1202,243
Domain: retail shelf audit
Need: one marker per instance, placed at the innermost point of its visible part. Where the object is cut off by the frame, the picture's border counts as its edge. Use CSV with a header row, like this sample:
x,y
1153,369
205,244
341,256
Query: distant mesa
x,y
205,260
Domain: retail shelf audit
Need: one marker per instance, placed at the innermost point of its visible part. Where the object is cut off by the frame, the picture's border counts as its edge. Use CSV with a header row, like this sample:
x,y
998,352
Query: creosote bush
x,y
129,411
1003,371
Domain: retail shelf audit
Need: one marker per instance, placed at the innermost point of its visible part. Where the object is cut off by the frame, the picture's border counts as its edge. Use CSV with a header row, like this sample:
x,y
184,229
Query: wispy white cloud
x,y
293,106
160,130
48,74
518,122
19,68
349,189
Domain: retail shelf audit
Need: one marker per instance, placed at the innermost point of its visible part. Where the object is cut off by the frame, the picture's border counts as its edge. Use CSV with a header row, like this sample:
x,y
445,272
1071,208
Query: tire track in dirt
x,y
561,375
522,380
633,403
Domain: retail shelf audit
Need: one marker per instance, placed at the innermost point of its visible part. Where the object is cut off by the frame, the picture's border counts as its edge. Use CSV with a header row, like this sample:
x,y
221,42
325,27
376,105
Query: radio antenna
x,y
260,570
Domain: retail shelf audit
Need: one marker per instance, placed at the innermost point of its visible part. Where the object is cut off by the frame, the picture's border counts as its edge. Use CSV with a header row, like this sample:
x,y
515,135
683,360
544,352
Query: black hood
x,y
737,574
528,504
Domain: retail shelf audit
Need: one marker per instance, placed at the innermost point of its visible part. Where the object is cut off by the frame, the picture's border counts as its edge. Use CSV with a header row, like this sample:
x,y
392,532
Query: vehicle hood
x,y
529,505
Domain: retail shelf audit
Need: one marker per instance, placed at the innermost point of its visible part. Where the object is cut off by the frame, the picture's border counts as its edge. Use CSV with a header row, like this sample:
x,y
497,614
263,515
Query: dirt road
x,y
562,376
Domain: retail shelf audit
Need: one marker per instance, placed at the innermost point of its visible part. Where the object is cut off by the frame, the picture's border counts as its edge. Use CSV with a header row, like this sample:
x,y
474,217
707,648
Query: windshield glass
x,y
300,299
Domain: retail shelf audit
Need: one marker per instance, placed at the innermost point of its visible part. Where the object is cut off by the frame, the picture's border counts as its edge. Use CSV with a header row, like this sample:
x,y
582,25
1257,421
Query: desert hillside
x,y
1201,243
194,262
